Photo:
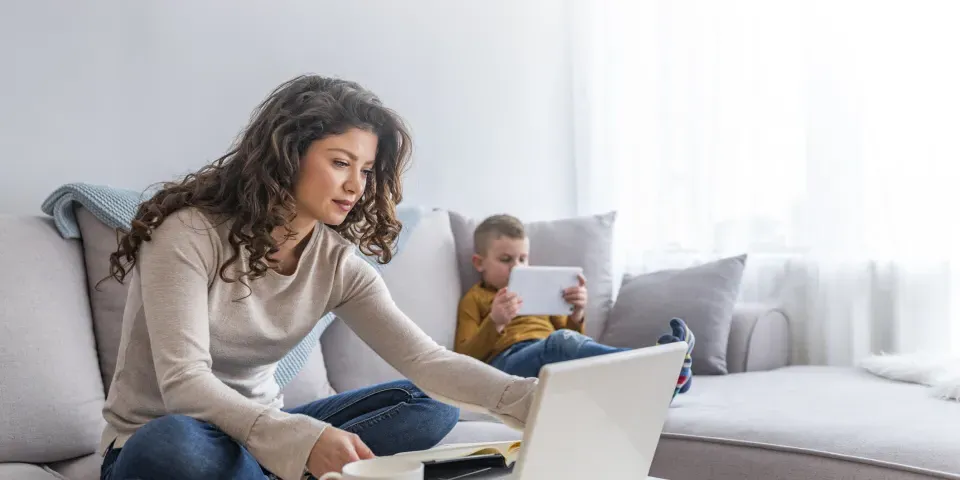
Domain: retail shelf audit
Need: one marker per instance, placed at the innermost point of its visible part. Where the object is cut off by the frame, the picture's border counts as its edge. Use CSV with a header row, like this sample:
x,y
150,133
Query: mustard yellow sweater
x,y
477,335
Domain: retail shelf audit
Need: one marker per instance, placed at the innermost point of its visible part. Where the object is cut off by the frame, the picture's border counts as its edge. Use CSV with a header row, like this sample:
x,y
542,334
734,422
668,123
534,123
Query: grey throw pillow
x,y
703,296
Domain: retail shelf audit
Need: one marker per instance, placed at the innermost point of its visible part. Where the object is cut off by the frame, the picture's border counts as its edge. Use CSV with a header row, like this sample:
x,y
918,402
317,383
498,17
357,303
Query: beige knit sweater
x,y
195,345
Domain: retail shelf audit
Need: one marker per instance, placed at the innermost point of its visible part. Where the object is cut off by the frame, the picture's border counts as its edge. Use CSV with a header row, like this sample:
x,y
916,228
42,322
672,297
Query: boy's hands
x,y
506,304
577,296
505,307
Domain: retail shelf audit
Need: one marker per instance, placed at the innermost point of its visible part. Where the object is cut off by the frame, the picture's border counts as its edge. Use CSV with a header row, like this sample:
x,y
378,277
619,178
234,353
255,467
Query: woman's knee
x,y
178,427
438,422
177,446
415,422
437,418
447,417
446,414
405,385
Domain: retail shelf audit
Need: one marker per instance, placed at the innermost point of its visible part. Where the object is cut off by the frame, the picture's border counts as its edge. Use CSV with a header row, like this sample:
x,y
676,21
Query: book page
x,y
509,450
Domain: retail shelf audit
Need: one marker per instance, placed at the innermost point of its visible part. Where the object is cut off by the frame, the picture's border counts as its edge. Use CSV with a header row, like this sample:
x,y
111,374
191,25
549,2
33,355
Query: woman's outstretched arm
x,y
366,306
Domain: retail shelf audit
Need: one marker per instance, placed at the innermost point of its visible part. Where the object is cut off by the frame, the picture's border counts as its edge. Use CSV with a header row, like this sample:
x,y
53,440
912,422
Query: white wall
x,y
130,93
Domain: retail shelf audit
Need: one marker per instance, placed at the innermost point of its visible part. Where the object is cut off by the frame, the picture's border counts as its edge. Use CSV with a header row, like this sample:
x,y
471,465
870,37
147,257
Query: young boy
x,y
489,329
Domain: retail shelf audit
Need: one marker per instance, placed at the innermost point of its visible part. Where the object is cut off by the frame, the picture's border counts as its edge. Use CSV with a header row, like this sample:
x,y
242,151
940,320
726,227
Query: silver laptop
x,y
598,417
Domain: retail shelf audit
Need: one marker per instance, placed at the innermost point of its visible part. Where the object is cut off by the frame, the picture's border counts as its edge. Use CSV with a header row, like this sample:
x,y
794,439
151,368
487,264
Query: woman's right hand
x,y
334,449
505,307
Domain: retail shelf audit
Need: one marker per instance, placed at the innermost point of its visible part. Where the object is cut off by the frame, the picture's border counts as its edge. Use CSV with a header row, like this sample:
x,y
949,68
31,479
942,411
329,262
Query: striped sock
x,y
681,333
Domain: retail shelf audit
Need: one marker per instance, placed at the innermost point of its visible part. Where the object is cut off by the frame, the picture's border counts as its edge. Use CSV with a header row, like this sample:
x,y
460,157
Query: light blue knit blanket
x,y
116,207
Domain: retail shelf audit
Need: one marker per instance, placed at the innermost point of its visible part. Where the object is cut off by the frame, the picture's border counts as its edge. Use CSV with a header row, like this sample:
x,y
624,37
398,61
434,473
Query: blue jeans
x,y
389,418
524,359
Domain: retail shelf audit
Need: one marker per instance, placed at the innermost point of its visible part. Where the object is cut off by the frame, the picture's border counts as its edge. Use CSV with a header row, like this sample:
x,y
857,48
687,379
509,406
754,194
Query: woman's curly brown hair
x,y
254,182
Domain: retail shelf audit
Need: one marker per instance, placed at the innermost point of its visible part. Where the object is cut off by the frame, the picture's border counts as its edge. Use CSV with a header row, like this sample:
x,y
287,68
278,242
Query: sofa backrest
x,y
53,319
107,297
426,280
51,394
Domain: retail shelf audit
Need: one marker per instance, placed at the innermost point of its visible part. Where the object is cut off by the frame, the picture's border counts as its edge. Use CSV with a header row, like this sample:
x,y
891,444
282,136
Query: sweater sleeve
x,y
476,336
367,308
175,268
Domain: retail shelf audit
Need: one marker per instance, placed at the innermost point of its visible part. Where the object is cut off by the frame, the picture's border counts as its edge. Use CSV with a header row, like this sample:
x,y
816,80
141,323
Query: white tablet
x,y
541,288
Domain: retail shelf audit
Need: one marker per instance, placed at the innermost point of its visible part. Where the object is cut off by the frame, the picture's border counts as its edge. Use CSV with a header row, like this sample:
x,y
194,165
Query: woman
x,y
232,266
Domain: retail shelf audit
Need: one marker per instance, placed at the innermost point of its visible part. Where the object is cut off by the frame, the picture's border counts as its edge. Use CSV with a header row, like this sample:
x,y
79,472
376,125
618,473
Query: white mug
x,y
383,468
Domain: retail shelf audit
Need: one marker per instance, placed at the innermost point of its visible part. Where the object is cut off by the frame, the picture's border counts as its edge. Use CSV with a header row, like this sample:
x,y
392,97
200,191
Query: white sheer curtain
x,y
820,137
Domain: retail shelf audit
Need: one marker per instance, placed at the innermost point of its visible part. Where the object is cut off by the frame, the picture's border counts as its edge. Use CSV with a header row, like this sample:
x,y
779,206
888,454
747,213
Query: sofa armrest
x,y
759,339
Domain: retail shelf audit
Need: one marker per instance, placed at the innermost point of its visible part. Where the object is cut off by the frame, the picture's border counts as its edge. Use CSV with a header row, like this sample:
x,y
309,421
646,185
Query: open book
x,y
461,460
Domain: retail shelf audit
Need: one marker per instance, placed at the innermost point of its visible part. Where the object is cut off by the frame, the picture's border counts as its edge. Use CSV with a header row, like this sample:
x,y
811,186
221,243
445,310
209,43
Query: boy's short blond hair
x,y
496,226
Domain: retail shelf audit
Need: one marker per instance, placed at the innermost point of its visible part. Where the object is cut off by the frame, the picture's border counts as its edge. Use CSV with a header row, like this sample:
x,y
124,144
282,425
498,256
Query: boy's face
x,y
503,253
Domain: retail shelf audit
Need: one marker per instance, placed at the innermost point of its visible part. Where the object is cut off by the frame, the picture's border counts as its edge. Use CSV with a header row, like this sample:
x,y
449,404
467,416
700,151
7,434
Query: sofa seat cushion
x,y
854,419
25,471
83,468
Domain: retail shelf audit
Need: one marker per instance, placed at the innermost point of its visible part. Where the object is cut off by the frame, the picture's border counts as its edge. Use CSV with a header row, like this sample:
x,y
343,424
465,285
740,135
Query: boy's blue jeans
x,y
389,418
524,359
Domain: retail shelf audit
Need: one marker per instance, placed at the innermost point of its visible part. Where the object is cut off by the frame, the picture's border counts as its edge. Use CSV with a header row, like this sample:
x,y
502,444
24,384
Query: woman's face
x,y
333,175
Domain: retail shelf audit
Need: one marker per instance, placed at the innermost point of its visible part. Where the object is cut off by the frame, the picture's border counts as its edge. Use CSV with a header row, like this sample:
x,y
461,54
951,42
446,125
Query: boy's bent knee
x,y
566,343
568,337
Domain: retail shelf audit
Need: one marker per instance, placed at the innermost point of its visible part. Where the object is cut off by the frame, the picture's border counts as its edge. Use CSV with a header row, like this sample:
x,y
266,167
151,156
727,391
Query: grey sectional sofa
x,y
765,420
